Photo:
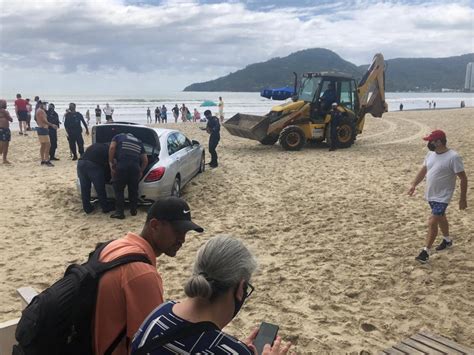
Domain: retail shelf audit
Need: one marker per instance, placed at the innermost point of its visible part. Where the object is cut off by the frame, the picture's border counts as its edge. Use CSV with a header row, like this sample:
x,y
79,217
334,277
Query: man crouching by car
x,y
127,160
93,168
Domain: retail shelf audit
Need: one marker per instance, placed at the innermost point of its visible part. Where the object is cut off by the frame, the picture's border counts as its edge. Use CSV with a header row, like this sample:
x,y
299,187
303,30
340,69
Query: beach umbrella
x,y
208,103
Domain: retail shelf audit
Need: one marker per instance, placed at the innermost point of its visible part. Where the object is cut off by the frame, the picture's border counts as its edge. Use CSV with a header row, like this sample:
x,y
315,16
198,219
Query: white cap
x,y
334,104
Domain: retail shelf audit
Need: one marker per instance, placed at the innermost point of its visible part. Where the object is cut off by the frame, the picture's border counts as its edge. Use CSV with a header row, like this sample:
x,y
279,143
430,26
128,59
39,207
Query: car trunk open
x,y
148,136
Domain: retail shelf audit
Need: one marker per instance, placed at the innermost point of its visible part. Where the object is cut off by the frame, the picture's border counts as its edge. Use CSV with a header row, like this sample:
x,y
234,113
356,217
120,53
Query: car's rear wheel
x,y
202,165
176,189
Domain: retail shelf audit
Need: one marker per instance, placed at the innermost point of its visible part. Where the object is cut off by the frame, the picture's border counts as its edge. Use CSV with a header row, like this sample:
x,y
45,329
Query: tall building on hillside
x,y
469,82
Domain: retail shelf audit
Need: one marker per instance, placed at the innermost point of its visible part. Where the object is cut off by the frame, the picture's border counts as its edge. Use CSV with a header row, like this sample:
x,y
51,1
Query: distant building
x,y
469,82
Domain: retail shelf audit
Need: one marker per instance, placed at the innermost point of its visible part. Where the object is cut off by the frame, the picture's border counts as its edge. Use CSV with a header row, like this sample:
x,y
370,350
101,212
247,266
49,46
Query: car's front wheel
x,y
176,189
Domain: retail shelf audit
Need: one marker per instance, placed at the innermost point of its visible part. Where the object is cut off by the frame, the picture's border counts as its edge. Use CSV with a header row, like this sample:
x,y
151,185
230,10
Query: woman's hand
x,y
277,348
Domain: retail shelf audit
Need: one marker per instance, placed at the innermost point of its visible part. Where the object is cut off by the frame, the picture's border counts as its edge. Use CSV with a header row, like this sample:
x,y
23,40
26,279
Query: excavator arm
x,y
371,89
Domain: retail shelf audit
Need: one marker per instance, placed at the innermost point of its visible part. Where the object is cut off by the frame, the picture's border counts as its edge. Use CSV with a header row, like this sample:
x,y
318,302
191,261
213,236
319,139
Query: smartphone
x,y
266,335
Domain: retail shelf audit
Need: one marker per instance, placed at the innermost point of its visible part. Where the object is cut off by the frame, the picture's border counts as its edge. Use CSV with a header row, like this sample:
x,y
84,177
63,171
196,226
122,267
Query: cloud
x,y
190,40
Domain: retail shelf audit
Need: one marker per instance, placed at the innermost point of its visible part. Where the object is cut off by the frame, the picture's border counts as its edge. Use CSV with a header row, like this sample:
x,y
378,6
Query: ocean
x,y
133,109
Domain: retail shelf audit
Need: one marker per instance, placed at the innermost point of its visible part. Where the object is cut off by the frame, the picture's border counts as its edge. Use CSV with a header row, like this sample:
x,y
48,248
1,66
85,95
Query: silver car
x,y
173,159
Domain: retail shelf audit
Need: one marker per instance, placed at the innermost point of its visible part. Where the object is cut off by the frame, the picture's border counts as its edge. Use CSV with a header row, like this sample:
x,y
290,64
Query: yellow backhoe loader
x,y
307,117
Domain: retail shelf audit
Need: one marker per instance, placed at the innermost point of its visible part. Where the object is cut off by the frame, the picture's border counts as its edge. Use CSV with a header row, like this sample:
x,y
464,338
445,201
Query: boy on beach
x,y
5,134
440,167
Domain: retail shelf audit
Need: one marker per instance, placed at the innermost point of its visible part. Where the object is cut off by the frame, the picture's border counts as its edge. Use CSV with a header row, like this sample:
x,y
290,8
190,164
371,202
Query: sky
x,y
148,47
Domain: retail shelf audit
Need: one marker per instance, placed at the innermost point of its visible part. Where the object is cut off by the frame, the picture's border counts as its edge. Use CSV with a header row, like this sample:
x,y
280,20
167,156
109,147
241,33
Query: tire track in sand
x,y
423,129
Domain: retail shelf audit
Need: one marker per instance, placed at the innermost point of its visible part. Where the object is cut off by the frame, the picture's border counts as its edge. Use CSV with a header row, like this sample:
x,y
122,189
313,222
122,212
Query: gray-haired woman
x,y
215,292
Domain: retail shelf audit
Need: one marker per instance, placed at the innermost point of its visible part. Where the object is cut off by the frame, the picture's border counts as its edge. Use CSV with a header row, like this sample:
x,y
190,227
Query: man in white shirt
x,y
440,167
109,111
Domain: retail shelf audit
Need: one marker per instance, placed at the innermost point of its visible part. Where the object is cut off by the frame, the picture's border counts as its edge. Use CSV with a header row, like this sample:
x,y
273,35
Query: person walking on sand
x,y
127,294
5,134
88,117
401,107
441,166
53,118
221,109
148,115
21,111
108,111
164,114
175,110
434,105
98,115
72,124
43,134
213,127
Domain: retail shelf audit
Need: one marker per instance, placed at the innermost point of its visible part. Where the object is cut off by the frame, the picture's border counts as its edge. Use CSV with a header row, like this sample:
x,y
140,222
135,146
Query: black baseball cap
x,y
174,210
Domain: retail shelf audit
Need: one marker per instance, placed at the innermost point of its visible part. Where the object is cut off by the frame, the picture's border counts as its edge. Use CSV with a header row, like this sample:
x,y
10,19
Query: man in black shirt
x,y
72,123
93,168
213,128
127,160
53,118
98,115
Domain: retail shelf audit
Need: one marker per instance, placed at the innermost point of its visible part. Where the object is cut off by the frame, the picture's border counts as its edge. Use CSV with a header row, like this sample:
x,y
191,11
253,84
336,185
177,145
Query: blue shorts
x,y
5,135
438,208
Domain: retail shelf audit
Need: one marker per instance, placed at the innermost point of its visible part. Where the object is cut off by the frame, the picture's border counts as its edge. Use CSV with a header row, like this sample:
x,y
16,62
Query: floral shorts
x,y
438,208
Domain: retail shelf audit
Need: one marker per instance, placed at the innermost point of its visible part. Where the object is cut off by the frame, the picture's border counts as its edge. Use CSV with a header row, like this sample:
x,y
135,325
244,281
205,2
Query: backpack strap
x,y
186,331
101,267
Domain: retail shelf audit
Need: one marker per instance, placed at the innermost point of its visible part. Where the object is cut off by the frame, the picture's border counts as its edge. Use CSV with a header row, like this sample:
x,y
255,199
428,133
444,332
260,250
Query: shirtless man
x,y
5,134
43,134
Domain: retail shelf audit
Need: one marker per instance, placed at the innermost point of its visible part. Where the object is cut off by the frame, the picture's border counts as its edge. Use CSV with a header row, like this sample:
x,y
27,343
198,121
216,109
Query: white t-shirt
x,y
108,110
441,175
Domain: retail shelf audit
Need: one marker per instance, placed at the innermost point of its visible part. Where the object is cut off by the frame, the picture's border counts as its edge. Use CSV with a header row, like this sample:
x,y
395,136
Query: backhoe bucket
x,y
248,126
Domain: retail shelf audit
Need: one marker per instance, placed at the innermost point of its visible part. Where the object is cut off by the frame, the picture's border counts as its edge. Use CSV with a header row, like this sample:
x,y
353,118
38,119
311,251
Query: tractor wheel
x,y
292,138
346,132
269,140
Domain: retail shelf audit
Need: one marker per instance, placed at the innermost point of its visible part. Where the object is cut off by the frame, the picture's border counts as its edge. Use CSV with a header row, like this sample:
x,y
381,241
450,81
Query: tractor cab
x,y
322,89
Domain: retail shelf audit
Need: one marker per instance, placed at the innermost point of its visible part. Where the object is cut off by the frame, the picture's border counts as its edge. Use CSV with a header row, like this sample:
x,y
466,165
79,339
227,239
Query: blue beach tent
x,y
278,94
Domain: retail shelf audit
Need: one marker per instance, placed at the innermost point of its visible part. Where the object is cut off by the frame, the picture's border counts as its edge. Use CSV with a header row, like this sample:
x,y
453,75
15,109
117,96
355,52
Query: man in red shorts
x,y
21,110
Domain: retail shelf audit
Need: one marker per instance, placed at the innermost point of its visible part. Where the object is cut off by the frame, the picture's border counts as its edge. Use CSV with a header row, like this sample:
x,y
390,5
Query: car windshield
x,y
308,88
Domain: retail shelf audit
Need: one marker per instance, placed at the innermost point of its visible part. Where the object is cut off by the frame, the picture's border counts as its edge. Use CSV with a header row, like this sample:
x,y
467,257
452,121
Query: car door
x,y
186,154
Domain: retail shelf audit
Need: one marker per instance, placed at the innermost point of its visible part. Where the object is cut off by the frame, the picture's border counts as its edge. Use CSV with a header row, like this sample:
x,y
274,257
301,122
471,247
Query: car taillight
x,y
155,174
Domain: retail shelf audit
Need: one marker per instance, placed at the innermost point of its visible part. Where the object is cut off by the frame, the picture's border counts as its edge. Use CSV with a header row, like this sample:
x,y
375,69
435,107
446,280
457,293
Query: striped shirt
x,y
129,148
162,321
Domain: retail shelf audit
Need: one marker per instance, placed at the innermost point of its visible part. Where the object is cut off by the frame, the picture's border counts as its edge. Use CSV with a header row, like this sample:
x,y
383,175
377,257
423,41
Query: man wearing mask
x,y
213,128
127,160
441,166
53,118
72,123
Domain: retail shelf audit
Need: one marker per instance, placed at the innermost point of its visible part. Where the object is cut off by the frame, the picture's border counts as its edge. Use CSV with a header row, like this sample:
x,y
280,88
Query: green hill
x,y
427,74
278,71
402,74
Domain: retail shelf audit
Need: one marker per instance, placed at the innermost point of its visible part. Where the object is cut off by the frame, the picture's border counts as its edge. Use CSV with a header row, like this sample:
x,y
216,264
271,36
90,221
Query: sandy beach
x,y
334,232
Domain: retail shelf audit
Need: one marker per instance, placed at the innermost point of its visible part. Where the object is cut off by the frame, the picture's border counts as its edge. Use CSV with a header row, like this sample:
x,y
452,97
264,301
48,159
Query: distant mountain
x,y
278,72
402,74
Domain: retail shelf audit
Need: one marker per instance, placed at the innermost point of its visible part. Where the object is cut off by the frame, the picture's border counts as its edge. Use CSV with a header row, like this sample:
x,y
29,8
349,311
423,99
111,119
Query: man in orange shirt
x,y
128,293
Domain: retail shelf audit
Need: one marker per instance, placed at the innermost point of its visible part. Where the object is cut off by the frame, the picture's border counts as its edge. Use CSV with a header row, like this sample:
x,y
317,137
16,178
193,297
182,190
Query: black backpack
x,y
59,320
